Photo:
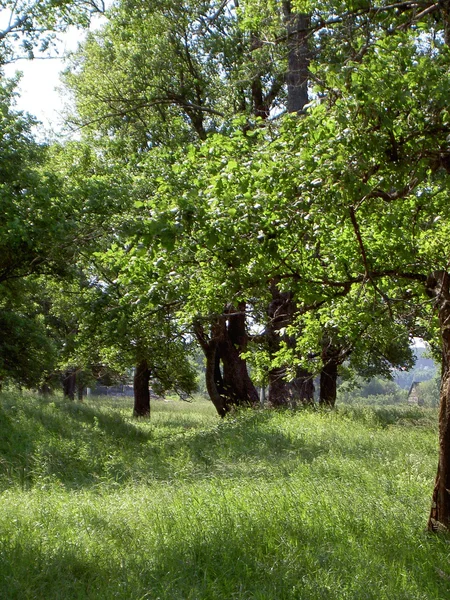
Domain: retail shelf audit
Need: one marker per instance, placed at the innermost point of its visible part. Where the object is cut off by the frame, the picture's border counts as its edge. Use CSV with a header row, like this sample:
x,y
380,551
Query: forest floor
x,y
263,505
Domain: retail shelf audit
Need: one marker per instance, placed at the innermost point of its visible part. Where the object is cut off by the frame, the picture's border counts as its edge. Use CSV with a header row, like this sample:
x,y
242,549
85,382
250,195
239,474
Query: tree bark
x,y
213,374
234,340
332,357
438,287
227,380
444,7
297,76
141,390
282,392
69,384
282,308
328,383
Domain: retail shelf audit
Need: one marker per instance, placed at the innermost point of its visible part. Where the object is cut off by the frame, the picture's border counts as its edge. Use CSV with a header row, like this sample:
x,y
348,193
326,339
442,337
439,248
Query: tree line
x,y
265,181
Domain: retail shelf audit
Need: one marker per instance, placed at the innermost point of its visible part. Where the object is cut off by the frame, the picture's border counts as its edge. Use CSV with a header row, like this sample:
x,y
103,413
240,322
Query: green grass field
x,y
264,505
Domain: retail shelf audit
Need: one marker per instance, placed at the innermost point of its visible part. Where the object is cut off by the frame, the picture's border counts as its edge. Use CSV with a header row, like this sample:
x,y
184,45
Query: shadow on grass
x,y
297,562
81,446
34,572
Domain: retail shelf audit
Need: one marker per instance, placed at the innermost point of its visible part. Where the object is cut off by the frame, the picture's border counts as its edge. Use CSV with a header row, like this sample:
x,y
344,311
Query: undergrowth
x,y
262,505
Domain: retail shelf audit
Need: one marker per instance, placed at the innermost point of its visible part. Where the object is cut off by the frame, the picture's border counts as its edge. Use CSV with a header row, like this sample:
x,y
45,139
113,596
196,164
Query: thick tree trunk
x,y
438,287
213,374
300,390
234,340
280,315
230,385
297,76
69,384
332,357
303,387
282,308
214,380
328,383
141,390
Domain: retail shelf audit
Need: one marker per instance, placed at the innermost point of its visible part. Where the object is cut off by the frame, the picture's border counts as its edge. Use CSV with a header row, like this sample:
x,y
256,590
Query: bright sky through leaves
x,y
40,82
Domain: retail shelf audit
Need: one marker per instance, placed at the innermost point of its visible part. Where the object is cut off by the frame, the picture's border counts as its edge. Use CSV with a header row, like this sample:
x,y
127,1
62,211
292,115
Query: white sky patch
x,y
41,77
419,343
40,86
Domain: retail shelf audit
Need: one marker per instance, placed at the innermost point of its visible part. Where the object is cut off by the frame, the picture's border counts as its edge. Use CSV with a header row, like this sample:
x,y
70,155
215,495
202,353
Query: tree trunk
x,y
328,383
332,357
69,384
297,76
231,385
213,374
45,390
438,287
141,390
282,308
300,390
444,7
80,390
303,387
234,340
260,106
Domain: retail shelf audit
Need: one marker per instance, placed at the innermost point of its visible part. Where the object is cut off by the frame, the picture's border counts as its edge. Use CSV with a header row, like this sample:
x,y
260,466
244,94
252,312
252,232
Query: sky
x,y
38,89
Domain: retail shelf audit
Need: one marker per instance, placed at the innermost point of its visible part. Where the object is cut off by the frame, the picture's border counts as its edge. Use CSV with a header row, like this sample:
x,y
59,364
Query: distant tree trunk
x,y
45,390
438,287
69,384
80,391
141,390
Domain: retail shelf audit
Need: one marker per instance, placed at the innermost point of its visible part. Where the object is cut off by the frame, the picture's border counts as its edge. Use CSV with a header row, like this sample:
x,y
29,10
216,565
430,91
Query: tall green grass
x,y
263,505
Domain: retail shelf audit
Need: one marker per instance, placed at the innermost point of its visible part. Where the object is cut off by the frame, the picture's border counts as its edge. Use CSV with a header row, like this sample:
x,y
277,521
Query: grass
x,y
264,505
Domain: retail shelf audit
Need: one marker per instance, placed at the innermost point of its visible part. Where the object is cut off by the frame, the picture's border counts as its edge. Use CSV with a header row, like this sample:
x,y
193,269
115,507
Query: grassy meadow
x,y
263,505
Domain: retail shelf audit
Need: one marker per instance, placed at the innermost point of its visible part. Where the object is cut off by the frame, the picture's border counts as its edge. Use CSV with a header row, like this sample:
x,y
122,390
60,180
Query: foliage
x,y
164,73
429,391
374,392
36,239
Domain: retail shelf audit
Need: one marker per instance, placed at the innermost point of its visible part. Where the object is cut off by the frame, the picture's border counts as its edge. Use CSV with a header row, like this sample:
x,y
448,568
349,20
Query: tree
x,y
348,205
36,230
367,174
34,240
154,88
